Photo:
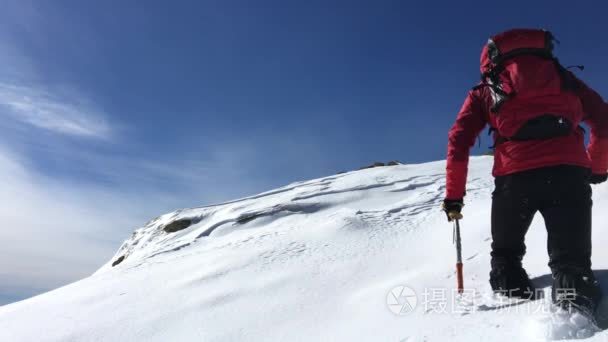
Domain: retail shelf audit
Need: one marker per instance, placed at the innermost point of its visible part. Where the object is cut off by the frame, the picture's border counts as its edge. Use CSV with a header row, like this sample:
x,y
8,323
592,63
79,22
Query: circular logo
x,y
401,300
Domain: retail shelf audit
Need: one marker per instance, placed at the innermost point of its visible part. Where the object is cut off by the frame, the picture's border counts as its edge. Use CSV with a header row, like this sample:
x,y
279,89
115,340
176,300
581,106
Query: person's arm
x,y
470,122
596,111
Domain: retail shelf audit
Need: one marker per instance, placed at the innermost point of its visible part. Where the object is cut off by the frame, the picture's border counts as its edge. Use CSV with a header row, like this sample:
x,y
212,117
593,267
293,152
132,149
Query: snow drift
x,y
361,256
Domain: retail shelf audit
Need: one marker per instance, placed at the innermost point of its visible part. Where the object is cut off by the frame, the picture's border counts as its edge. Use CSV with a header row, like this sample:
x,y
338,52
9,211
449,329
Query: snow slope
x,y
312,261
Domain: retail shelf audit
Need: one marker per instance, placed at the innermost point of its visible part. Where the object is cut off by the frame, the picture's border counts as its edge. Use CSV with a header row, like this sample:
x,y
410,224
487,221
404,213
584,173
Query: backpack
x,y
533,95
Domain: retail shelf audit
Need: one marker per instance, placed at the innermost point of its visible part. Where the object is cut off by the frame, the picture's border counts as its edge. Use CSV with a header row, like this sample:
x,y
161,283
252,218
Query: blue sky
x,y
112,112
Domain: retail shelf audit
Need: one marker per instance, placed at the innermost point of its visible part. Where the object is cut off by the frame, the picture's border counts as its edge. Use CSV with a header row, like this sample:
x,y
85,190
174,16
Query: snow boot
x,y
512,282
576,290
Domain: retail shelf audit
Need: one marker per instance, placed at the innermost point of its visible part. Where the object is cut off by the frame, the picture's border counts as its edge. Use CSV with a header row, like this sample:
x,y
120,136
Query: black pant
x,y
563,197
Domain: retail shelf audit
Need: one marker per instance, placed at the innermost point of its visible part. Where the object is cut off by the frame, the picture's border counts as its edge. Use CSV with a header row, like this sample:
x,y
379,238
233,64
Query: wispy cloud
x,y
59,227
60,114
74,186
55,232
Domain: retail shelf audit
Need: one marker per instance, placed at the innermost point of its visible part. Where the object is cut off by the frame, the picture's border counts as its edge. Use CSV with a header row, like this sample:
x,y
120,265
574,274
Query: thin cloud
x,y
59,230
59,114
67,204
56,232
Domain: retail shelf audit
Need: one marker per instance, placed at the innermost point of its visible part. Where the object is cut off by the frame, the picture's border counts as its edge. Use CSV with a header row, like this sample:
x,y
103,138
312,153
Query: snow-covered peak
x,y
334,259
397,191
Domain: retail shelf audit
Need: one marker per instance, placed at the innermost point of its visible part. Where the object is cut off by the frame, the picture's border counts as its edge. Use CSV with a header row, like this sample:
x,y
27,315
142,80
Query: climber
x,y
535,109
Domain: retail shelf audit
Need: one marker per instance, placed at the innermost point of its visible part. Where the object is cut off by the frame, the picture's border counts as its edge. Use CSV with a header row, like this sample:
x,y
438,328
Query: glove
x,y
597,179
452,209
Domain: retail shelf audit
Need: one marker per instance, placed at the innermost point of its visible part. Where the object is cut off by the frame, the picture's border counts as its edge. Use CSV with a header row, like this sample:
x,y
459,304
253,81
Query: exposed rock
x,y
380,164
376,164
118,261
177,225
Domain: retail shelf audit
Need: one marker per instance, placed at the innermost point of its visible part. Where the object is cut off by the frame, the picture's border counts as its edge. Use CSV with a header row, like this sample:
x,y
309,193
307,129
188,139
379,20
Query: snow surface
x,y
319,260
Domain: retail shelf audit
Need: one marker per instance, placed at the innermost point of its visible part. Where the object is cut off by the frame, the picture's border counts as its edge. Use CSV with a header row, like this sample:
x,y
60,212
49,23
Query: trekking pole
x,y
459,276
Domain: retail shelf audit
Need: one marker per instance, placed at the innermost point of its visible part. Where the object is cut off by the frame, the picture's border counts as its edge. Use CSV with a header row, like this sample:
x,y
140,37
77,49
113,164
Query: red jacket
x,y
516,156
